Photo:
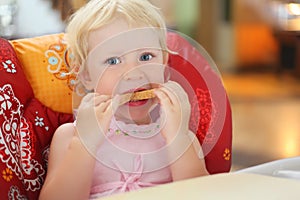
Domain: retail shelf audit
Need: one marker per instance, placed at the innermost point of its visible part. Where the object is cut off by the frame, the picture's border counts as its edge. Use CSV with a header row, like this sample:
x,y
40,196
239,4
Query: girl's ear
x,y
85,79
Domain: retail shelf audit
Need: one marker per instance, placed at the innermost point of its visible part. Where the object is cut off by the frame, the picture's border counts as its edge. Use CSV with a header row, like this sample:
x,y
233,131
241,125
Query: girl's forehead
x,y
125,41
119,34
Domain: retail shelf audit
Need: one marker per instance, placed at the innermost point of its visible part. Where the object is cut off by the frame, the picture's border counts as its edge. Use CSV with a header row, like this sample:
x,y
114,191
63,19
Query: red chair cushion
x,y
211,113
26,130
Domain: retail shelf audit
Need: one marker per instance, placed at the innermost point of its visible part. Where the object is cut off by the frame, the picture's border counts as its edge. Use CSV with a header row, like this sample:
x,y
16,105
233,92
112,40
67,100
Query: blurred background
x,y
255,44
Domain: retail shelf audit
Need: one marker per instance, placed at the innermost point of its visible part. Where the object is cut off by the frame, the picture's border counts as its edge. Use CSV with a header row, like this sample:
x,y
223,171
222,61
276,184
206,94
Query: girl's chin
x,y
135,112
138,117
134,118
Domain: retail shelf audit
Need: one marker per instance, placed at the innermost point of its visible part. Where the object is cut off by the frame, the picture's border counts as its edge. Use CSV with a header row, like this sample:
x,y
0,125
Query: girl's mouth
x,y
137,102
140,97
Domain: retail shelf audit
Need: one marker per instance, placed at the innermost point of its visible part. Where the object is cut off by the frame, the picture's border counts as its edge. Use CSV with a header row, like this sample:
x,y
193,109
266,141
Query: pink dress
x,y
131,157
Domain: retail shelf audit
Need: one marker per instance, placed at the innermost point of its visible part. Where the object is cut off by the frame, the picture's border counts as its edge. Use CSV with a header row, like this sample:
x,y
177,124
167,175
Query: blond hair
x,y
98,13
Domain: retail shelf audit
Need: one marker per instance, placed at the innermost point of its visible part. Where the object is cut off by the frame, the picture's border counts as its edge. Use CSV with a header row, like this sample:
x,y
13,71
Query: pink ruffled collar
x,y
135,130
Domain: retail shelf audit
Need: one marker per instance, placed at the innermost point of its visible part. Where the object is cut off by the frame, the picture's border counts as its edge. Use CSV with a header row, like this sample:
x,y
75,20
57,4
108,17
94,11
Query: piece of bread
x,y
145,94
141,95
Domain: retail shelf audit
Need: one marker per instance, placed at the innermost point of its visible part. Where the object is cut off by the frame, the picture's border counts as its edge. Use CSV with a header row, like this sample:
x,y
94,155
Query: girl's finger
x,y
109,111
100,99
102,107
171,95
117,101
163,97
111,105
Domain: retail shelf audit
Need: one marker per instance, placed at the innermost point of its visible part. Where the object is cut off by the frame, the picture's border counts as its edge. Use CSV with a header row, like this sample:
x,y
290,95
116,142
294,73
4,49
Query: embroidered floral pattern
x,y
16,141
14,193
39,121
8,104
7,174
227,154
9,66
8,62
117,132
203,113
57,58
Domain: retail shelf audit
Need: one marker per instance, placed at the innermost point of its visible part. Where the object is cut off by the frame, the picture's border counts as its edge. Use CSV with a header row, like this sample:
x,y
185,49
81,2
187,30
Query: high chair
x,y
36,97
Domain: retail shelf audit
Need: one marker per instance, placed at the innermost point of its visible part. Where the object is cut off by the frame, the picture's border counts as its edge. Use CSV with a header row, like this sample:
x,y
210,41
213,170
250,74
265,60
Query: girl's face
x,y
123,59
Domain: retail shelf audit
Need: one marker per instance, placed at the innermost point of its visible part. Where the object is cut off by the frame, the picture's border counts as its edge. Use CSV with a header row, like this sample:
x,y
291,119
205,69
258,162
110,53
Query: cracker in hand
x,y
136,96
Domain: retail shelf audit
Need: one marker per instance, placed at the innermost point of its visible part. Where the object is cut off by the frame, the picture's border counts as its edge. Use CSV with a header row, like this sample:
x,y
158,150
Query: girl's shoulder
x,y
64,131
66,127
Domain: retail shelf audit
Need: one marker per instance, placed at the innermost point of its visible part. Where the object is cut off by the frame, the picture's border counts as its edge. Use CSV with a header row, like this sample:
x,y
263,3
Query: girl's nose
x,y
134,74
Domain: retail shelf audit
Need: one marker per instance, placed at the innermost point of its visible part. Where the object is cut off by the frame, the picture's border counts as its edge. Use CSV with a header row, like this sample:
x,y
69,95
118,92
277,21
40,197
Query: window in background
x,y
8,9
37,17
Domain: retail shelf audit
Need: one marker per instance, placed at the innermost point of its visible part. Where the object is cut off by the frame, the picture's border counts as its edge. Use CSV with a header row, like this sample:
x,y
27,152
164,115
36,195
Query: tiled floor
x,y
266,117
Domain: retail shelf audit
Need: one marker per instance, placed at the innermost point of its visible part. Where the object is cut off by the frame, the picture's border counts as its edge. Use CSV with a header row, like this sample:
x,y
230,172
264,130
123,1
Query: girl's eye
x,y
113,61
146,57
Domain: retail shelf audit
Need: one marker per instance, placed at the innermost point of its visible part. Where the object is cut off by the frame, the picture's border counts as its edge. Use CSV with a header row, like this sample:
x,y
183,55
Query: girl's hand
x,y
176,109
93,119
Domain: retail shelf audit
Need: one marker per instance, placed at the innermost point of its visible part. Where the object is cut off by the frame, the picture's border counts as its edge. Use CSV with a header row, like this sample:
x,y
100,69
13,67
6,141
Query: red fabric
x,y
26,130
211,113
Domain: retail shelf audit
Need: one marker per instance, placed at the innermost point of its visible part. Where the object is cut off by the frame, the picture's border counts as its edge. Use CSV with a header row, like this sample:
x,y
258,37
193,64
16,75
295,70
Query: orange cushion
x,y
45,61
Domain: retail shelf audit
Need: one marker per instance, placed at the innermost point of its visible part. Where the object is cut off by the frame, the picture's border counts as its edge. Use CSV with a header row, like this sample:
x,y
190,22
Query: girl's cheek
x,y
106,88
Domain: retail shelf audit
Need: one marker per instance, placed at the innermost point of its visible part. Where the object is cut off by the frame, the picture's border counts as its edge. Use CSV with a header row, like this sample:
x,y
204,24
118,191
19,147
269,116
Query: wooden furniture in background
x,y
289,43
67,7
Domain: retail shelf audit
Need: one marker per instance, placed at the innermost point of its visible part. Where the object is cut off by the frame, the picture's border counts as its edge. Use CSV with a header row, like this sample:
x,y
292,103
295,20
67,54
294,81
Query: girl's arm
x,y
71,164
189,161
184,150
70,168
